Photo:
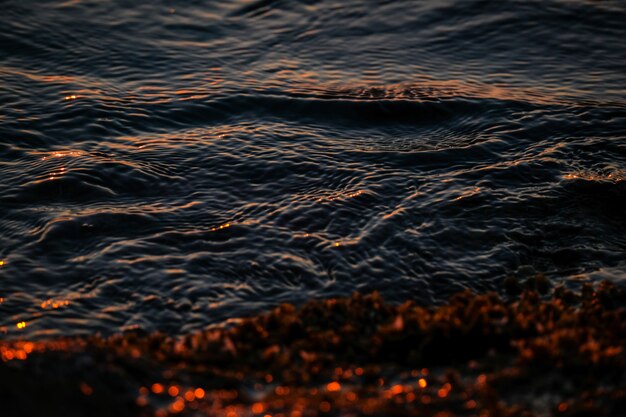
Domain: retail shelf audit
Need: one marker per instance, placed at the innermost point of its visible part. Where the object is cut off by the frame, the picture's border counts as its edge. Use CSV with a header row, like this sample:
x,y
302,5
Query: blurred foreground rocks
x,y
561,354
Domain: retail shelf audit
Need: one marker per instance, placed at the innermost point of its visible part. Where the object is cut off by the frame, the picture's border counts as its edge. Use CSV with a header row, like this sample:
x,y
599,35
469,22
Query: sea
x,y
172,165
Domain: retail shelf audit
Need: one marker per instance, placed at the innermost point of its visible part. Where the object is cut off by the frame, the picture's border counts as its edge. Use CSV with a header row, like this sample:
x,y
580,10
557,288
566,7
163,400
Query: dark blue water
x,y
172,164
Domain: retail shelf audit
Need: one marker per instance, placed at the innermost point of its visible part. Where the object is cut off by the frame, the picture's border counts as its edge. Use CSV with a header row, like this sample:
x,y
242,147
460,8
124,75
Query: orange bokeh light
x,y
199,393
333,386
258,408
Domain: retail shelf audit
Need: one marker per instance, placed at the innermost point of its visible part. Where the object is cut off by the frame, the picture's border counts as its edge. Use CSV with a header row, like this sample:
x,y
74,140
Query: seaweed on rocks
x,y
475,355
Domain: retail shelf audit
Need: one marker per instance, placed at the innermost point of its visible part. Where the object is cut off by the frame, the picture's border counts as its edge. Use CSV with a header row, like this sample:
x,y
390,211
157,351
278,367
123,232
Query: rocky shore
x,y
535,352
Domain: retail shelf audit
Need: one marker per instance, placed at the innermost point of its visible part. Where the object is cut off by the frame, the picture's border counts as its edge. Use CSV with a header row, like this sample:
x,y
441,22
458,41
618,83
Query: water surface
x,y
168,165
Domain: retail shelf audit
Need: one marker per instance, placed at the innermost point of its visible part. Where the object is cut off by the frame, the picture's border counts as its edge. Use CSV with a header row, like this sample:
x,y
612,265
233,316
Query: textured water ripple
x,y
169,166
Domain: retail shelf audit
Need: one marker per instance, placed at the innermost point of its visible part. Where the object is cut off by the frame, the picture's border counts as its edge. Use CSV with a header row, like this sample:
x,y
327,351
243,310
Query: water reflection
x,y
199,163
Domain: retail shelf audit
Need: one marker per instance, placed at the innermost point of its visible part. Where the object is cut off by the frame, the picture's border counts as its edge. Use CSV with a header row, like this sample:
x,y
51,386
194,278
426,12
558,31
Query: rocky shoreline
x,y
527,354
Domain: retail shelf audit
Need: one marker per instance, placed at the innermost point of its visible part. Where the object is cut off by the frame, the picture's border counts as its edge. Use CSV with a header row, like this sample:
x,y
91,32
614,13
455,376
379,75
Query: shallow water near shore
x,y
167,165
